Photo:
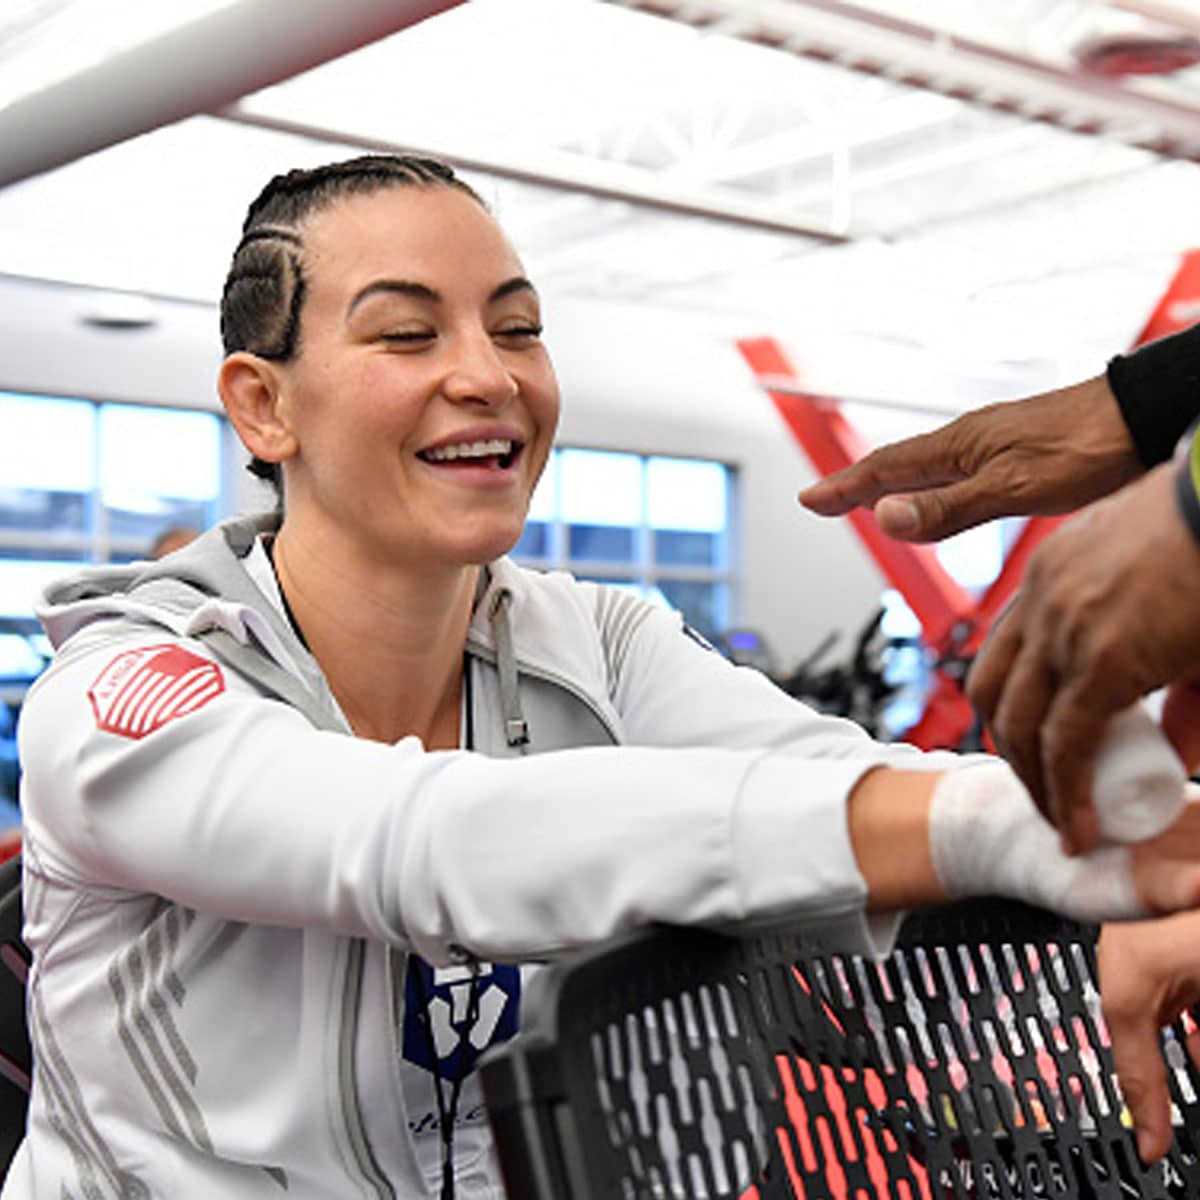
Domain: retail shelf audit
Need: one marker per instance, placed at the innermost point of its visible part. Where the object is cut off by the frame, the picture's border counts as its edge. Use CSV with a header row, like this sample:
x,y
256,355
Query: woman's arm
x,y
241,809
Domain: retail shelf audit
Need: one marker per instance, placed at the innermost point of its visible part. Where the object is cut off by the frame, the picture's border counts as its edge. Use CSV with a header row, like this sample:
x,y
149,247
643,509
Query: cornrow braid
x,y
260,304
265,288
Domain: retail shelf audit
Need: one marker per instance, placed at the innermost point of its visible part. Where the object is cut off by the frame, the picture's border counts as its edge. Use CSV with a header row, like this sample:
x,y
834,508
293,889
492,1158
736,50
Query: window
x,y
659,526
87,482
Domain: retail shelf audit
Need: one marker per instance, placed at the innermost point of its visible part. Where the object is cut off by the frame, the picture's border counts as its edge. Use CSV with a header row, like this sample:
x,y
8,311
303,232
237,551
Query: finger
x,y
1017,722
1137,1056
837,494
986,678
916,463
941,512
1072,727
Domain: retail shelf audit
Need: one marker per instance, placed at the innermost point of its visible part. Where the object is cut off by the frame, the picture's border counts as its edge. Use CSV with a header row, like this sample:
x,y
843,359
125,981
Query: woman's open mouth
x,y
497,454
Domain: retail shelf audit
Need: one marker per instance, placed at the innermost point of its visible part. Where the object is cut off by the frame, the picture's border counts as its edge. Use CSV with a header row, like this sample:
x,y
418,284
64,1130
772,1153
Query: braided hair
x,y
264,290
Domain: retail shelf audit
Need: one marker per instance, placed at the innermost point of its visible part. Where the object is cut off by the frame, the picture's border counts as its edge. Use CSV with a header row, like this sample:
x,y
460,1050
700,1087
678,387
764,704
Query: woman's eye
x,y
521,332
407,337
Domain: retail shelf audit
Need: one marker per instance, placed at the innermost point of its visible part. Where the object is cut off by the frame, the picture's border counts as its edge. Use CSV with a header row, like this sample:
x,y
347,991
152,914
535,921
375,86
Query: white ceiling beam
x,y
560,221
194,68
1097,175
792,147
865,39
564,171
983,148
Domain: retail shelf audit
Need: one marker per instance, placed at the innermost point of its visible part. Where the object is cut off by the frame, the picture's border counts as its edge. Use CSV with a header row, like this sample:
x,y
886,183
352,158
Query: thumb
x,y
935,513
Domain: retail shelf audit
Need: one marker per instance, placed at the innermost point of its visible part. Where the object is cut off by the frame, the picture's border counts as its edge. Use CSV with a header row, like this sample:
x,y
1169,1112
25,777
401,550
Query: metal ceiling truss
x,y
565,171
907,51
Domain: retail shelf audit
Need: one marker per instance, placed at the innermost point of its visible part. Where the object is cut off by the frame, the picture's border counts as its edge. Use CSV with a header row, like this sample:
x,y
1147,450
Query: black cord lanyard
x,y
269,544
448,1108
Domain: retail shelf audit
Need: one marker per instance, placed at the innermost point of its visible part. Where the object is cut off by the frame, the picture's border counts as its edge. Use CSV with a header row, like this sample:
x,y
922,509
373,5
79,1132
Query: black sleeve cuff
x,y
1157,388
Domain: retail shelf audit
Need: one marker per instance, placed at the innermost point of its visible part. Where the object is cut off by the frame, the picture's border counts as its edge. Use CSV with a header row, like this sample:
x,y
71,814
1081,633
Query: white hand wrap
x,y
988,839
1138,781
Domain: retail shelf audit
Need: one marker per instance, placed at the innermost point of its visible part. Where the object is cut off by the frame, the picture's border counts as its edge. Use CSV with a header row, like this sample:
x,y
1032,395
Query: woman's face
x,y
422,400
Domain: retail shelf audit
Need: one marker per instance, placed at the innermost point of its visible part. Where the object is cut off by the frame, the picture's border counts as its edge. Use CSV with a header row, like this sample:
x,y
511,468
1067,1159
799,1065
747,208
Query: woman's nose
x,y
477,373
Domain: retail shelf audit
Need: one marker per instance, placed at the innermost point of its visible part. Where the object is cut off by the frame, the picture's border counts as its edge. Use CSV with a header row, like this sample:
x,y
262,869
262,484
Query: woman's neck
x,y
389,640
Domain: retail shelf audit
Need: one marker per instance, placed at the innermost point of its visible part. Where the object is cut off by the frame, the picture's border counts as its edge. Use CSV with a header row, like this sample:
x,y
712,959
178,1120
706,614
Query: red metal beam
x,y
1178,308
1180,305
953,623
831,443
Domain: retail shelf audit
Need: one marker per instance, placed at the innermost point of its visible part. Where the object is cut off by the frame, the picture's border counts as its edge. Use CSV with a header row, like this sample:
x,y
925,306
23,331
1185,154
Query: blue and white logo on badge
x,y
443,994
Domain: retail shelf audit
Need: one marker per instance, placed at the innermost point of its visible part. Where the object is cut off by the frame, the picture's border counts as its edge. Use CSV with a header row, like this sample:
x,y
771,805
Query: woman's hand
x,y
1149,976
921,837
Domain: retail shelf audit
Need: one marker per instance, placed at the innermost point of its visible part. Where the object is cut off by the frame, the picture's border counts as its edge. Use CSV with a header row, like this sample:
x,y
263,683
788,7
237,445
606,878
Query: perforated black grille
x,y
973,1063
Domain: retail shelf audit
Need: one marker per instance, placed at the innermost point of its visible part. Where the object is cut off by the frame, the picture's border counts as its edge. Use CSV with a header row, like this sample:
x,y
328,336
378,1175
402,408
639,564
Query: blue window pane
x,y
600,543
535,541
687,504
544,502
687,548
154,516
47,459
158,468
685,493
21,652
702,603
600,488
23,576
43,511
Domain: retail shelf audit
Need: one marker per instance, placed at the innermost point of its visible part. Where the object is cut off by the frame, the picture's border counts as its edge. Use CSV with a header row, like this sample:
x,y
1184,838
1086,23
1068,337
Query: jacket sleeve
x,y
670,689
242,809
1157,388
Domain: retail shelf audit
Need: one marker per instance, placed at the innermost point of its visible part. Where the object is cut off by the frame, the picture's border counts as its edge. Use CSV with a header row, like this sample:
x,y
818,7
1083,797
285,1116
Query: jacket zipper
x,y
347,1037
489,655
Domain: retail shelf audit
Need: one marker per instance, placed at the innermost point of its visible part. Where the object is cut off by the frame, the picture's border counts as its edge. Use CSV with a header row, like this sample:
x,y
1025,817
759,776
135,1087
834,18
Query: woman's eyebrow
x,y
397,287
421,291
517,284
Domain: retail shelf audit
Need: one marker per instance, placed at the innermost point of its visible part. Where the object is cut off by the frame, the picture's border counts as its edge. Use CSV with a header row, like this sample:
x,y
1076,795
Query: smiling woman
x,y
305,800
406,359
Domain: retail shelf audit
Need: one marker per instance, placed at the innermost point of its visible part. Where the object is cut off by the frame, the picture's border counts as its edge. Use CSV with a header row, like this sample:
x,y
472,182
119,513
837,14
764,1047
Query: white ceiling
x,y
859,217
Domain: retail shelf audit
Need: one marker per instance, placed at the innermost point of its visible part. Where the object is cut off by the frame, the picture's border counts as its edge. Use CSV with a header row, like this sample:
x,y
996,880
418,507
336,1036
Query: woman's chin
x,y
486,546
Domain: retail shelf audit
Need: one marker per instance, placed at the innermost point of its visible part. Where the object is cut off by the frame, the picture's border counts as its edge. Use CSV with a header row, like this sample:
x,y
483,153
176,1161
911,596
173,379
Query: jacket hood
x,y
209,567
205,586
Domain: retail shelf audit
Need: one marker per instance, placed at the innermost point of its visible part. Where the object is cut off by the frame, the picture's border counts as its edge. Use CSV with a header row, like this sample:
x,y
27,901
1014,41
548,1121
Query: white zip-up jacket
x,y
254,936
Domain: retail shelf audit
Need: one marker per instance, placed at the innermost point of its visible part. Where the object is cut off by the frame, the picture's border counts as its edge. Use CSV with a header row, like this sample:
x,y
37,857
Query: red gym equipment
x,y
953,623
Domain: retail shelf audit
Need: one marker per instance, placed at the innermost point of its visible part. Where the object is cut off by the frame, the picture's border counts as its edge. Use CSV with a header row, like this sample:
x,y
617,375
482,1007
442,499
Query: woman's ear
x,y
250,390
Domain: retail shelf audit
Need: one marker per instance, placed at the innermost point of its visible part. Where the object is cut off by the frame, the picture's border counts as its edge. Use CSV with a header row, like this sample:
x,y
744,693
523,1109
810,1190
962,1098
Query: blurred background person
x,y
172,539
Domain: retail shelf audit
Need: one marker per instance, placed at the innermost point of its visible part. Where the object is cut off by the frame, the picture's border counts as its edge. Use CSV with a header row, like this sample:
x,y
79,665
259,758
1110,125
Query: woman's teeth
x,y
501,448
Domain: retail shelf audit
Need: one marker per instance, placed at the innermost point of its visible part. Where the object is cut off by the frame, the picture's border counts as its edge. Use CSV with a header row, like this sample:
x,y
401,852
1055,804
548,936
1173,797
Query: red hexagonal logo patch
x,y
141,690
